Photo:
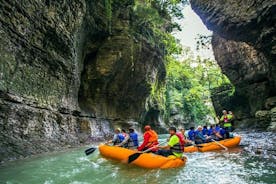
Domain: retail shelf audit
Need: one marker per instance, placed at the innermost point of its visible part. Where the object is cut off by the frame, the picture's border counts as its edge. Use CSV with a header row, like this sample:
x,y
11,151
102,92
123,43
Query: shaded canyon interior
x,y
69,72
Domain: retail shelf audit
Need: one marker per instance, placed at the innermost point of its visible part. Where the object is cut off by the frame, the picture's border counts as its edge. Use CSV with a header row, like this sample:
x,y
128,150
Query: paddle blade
x,y
133,157
90,150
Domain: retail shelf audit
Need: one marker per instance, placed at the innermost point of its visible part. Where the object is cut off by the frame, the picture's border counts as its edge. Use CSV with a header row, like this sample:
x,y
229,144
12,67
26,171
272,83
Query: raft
x,y
145,160
212,146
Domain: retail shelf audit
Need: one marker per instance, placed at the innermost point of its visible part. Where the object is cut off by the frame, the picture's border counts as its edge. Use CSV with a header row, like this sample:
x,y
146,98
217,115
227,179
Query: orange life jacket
x,y
153,137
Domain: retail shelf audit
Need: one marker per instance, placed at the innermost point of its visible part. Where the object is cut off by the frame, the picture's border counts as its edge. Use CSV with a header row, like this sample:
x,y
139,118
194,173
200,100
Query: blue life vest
x,y
134,137
191,135
222,132
217,128
210,131
121,137
205,131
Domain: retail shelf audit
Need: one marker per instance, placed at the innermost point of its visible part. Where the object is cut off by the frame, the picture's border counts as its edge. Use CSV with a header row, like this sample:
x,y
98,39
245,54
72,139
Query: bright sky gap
x,y
191,27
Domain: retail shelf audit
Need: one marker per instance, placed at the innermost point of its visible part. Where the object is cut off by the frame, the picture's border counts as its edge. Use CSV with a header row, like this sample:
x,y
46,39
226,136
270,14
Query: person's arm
x,y
231,118
201,137
217,119
145,142
173,140
188,141
112,140
164,147
218,135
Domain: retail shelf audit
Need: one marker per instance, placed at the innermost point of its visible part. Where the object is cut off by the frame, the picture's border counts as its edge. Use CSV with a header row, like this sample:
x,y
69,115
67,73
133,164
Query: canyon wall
x,y
244,47
70,72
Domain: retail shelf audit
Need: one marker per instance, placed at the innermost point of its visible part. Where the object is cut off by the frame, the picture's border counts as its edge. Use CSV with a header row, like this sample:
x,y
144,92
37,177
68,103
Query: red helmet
x,y
147,127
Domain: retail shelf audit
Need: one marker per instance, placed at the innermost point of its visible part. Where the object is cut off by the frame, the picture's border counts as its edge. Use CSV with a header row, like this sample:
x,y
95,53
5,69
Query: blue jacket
x,y
191,135
134,137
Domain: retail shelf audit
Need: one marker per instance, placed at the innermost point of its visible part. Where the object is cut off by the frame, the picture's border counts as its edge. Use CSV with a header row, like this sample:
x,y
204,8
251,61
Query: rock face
x,y
247,70
244,47
69,71
272,126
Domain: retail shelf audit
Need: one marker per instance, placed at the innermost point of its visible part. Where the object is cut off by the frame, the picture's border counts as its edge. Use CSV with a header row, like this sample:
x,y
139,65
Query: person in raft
x,y
134,137
117,138
181,133
232,120
227,125
216,132
191,134
205,130
175,145
150,140
127,142
199,137
124,133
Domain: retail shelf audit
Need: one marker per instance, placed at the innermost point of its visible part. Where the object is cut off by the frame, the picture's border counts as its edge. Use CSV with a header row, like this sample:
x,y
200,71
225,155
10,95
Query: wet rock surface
x,y
261,144
272,126
28,129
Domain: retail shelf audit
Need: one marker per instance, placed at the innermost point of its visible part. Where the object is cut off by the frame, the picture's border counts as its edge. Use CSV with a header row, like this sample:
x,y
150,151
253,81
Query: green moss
x,y
31,81
108,11
157,95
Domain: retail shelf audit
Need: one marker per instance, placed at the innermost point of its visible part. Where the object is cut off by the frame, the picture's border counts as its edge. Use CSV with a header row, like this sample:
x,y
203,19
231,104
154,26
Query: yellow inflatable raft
x,y
211,146
145,160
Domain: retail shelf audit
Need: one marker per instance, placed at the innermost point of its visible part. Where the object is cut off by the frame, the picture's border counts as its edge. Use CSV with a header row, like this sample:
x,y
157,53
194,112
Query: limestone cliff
x,y
70,71
244,47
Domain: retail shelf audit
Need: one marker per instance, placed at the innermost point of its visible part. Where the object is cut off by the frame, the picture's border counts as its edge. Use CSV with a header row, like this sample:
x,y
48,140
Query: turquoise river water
x,y
73,167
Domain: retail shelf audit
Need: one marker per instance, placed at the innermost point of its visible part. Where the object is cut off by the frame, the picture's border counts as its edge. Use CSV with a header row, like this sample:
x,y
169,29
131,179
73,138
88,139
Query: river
x,y
73,167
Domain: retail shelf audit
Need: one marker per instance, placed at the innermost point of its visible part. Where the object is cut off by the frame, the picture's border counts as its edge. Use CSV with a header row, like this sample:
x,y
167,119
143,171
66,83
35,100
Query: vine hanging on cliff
x,y
108,9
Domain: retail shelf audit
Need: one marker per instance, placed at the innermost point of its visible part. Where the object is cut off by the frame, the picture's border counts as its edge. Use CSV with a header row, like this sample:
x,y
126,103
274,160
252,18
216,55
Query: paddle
x,y
134,156
90,150
196,145
225,148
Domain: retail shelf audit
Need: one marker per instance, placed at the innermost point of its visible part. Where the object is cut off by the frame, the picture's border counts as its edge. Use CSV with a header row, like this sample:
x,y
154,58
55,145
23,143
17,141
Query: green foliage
x,y
108,9
183,92
188,86
203,42
152,19
188,83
